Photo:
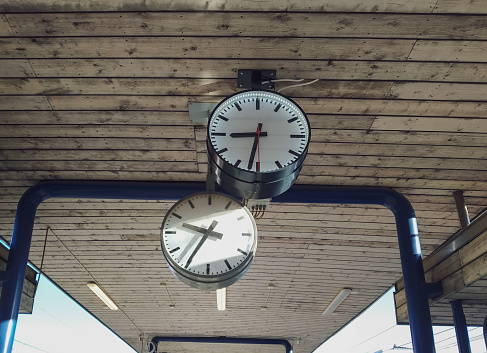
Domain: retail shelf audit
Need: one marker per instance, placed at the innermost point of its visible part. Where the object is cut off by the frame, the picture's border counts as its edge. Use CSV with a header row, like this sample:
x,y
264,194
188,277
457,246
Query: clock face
x,y
258,131
209,240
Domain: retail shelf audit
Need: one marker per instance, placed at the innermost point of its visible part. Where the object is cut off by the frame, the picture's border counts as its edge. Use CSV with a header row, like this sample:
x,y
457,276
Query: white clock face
x,y
259,131
208,235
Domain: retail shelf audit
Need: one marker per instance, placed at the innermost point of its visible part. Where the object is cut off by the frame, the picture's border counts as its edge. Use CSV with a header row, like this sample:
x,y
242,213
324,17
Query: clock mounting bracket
x,y
210,182
255,79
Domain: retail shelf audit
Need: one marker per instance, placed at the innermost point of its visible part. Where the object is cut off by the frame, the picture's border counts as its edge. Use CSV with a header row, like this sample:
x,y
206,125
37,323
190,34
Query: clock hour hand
x,y
200,244
202,230
254,146
247,134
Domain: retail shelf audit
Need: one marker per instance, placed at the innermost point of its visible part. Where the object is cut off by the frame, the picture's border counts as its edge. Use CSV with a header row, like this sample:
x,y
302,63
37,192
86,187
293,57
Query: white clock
x,y
209,240
257,142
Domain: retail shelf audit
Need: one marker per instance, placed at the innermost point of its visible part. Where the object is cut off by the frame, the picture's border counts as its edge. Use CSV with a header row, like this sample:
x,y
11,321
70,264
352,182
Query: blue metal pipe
x,y
232,340
409,247
485,331
460,323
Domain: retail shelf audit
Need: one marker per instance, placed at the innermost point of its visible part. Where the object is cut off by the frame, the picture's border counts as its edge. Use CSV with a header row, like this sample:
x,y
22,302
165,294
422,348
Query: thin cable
x,y
298,85
169,295
285,80
89,273
269,288
380,333
448,329
44,250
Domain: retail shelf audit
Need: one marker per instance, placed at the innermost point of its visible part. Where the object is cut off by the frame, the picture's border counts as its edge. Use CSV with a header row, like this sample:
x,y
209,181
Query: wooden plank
x,y
411,123
429,50
100,131
104,175
459,270
227,68
156,118
24,102
98,155
398,137
16,68
83,143
329,106
414,173
434,150
117,117
438,91
401,6
269,24
396,162
5,30
169,87
153,166
203,47
460,6
393,107
147,217
138,86
395,182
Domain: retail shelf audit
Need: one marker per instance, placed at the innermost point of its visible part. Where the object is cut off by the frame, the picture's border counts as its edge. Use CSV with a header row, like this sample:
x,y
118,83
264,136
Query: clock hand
x,y
202,230
254,147
257,166
200,244
247,134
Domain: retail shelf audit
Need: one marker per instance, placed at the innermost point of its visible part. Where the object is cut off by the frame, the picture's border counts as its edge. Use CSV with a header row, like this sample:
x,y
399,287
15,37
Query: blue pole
x,y
409,247
485,331
231,340
460,323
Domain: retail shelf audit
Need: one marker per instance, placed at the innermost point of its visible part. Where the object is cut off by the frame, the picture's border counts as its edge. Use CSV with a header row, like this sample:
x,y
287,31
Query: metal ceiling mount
x,y
255,79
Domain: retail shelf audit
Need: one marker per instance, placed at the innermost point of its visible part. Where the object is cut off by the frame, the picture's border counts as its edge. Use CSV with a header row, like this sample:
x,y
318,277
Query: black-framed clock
x,y
257,141
209,240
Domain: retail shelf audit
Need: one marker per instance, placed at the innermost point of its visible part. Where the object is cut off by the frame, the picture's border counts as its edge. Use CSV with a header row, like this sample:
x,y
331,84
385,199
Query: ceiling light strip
x,y
221,298
344,293
102,295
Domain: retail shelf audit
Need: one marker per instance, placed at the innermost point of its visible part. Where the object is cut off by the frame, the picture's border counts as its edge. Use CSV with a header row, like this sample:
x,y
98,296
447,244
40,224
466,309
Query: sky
x,y
57,321
376,331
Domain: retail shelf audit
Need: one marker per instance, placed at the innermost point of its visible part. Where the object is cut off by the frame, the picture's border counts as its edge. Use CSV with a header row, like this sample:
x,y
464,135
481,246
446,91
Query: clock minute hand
x,y
200,244
247,134
202,230
254,146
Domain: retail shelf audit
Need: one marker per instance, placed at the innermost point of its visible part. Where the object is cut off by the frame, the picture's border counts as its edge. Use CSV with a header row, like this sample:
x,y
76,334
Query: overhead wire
x,y
298,85
290,80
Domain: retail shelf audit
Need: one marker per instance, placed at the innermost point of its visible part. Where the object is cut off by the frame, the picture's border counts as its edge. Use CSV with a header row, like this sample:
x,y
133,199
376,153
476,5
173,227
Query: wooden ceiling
x,y
99,90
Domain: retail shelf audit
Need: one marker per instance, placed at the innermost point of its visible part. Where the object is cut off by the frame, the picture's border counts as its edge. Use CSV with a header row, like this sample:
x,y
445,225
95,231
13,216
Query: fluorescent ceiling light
x,y
337,301
102,295
221,298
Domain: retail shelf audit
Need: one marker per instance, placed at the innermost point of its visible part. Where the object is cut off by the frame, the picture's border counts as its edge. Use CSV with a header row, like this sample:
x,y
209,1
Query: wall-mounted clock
x,y
257,141
209,240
